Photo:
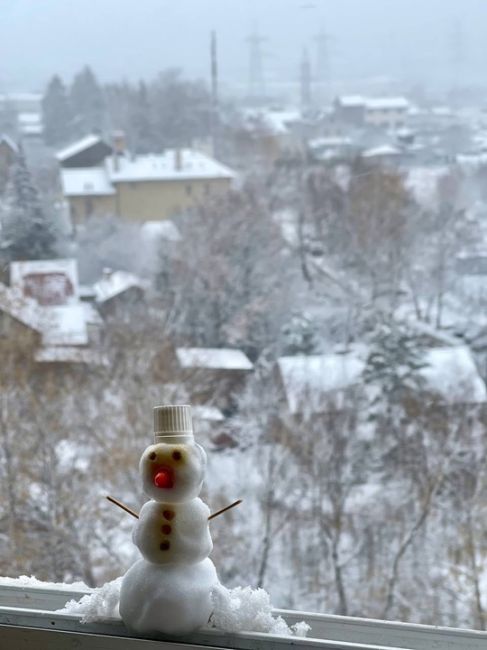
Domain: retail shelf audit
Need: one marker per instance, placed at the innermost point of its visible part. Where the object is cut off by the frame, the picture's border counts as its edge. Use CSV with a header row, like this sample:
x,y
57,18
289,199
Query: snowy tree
x,y
230,261
56,113
394,361
141,129
87,102
182,110
299,335
26,231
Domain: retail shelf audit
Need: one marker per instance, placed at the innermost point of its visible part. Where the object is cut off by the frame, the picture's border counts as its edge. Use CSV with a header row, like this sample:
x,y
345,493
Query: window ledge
x,y
28,621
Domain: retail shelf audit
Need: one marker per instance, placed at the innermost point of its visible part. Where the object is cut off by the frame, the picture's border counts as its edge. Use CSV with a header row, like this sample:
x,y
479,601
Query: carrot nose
x,y
164,478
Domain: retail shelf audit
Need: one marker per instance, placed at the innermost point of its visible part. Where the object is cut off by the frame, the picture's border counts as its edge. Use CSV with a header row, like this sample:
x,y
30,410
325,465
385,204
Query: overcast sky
x,y
405,39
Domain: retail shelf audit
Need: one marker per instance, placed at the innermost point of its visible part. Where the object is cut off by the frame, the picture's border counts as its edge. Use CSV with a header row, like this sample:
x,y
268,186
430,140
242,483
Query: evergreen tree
x,y
26,232
395,405
57,115
87,102
394,363
141,127
299,335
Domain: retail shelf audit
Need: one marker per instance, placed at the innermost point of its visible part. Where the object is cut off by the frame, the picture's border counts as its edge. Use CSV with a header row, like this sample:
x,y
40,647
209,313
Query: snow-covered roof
x,y
23,309
472,159
383,150
185,164
309,380
86,181
386,103
78,146
330,141
113,283
153,231
9,142
29,118
275,121
451,373
188,164
68,354
351,101
209,413
47,274
20,97
64,325
423,182
279,121
213,358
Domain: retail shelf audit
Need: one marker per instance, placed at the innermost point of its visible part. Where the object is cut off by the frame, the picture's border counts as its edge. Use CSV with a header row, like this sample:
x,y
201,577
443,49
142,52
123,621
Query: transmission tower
x,y
257,90
457,52
214,113
322,64
305,82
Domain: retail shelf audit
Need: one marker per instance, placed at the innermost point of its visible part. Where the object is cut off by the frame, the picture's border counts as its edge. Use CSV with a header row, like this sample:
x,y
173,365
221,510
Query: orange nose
x,y
164,478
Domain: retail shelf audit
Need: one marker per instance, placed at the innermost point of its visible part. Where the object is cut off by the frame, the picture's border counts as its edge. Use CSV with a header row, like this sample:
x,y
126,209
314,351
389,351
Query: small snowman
x,y
169,590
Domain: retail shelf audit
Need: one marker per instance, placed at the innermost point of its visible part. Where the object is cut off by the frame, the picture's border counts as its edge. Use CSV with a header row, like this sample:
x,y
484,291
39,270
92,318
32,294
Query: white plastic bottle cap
x,y
173,423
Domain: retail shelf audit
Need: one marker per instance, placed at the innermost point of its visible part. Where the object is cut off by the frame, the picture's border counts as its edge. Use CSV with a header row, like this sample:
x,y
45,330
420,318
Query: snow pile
x,y
100,604
244,609
31,581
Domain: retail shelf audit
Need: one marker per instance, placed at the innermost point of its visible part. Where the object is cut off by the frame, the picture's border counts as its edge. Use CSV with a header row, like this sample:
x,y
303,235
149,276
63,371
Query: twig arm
x,y
124,507
220,512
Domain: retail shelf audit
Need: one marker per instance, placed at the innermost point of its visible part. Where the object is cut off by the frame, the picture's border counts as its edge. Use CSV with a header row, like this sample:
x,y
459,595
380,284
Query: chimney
x,y
178,159
119,148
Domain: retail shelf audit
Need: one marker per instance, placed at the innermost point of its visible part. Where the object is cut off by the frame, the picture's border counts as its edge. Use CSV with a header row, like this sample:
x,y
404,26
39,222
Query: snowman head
x,y
173,468
172,473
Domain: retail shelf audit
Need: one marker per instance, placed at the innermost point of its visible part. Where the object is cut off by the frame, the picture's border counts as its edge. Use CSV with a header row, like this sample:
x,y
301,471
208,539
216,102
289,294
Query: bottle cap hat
x,y
173,423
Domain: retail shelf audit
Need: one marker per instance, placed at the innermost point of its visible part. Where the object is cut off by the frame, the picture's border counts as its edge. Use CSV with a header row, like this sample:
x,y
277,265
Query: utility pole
x,y
322,65
257,90
305,83
457,53
214,112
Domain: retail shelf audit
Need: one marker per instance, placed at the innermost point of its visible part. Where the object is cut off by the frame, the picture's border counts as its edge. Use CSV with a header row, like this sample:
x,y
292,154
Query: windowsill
x,y
27,613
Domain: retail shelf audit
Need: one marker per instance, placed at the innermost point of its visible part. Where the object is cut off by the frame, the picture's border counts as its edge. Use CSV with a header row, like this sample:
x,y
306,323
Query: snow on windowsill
x,y
242,609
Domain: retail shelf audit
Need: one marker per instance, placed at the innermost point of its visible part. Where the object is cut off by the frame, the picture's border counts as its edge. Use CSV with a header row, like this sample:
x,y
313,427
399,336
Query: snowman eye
x,y
176,455
152,456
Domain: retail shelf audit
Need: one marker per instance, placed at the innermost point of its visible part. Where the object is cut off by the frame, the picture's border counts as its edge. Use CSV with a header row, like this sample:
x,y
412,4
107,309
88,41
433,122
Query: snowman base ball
x,y
167,599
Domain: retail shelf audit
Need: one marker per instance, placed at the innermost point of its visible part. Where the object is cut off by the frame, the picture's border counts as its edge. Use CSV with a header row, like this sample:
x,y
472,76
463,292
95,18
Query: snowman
x,y
168,590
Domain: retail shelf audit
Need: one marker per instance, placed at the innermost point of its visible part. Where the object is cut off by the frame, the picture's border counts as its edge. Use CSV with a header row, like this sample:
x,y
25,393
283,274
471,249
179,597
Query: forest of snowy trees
x,y
370,503
165,112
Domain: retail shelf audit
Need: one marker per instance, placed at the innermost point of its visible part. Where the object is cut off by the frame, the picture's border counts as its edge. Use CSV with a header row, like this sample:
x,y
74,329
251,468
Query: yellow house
x,y
142,188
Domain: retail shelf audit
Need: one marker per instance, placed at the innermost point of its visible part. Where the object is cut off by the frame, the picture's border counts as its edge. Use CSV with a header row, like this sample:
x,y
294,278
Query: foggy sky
x,y
405,39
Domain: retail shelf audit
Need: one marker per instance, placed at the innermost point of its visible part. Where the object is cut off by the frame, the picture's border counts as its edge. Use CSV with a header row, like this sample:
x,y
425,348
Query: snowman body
x,y
168,590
